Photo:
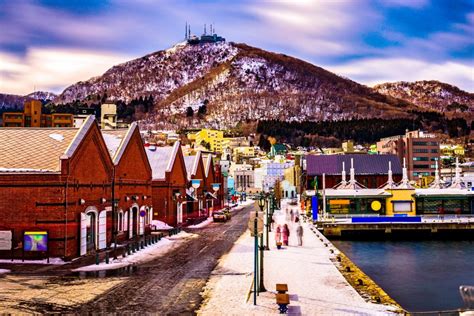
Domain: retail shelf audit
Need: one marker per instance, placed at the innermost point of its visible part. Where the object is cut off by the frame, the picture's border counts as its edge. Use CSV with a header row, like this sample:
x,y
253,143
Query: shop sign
x,y
35,241
6,239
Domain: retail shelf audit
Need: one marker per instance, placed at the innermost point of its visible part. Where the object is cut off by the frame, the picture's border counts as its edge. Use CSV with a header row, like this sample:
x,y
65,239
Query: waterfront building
x,y
371,170
32,116
420,150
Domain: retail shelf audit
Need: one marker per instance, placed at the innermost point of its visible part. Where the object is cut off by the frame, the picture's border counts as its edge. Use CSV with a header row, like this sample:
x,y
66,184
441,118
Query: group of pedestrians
x,y
282,232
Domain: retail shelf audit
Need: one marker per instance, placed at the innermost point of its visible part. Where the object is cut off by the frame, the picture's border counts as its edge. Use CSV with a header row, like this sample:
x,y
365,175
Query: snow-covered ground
x,y
315,285
144,255
57,261
202,224
210,220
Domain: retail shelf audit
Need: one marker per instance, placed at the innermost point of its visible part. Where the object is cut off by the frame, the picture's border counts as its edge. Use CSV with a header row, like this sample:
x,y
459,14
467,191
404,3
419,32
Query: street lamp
x,y
261,204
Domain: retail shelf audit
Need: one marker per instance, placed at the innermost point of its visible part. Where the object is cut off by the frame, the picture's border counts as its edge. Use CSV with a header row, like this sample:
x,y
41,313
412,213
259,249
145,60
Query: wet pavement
x,y
170,284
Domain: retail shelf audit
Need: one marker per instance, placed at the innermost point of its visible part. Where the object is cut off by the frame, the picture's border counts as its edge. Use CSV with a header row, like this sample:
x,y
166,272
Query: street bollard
x,y
107,257
129,251
97,258
141,245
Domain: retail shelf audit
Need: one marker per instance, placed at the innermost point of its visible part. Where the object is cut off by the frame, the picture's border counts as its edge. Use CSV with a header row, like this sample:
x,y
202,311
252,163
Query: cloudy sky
x,y
50,44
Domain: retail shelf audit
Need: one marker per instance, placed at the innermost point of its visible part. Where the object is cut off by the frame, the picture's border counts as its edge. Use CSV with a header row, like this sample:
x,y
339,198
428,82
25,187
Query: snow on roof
x,y
442,192
207,165
58,137
117,141
161,159
112,141
192,163
352,193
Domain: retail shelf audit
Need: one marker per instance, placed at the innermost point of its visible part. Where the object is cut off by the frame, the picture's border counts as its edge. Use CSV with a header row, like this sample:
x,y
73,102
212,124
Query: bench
x,y
282,288
283,300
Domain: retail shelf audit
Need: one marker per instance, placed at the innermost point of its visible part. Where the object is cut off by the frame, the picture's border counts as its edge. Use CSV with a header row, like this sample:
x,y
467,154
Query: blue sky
x,y
50,44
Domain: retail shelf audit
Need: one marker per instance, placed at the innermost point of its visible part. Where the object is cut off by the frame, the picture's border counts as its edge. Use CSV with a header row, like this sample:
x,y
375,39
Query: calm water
x,y
419,275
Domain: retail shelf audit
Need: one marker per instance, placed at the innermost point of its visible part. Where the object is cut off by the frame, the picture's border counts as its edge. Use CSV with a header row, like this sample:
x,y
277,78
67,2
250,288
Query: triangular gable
x,y
178,160
191,172
73,156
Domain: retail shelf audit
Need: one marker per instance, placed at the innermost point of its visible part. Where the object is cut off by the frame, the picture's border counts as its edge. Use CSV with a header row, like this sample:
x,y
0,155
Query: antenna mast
x,y
186,31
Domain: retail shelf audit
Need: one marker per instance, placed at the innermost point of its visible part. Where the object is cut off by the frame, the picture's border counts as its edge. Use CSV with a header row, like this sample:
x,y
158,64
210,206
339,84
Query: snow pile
x,y
55,261
4,271
315,285
142,256
202,224
159,225
57,137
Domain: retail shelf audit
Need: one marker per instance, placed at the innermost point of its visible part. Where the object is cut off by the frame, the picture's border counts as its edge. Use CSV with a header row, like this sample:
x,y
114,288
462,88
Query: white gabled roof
x,y
161,159
79,136
117,141
207,165
192,163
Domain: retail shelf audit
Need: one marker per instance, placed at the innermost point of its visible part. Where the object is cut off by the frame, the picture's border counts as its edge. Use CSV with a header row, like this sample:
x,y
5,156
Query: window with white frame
x,y
402,206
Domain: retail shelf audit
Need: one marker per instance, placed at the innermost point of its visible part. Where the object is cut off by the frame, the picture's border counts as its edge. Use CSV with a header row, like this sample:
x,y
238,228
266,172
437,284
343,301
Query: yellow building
x,y
243,151
32,117
108,116
214,138
452,150
401,201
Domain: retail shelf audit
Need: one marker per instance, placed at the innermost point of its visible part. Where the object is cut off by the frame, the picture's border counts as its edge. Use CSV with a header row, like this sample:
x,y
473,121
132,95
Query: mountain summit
x,y
236,82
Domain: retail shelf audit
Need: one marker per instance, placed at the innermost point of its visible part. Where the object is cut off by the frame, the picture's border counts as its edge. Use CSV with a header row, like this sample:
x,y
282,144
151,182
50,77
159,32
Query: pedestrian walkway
x,y
315,285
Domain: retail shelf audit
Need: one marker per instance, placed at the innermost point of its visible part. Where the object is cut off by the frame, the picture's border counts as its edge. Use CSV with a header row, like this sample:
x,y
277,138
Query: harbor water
x,y
419,275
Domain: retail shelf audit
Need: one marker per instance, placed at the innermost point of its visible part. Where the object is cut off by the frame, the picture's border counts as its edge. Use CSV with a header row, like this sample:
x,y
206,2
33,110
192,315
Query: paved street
x,y
168,285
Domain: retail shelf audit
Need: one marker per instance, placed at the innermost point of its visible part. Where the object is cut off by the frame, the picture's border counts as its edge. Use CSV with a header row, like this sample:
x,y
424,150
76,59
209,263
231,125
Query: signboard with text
x,y
6,238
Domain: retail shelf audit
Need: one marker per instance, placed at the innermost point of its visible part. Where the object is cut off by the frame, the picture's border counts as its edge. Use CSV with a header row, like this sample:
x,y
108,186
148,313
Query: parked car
x,y
293,202
227,213
219,216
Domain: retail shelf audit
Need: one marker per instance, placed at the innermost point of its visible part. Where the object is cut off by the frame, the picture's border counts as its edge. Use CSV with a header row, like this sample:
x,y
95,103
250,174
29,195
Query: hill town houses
x,y
86,188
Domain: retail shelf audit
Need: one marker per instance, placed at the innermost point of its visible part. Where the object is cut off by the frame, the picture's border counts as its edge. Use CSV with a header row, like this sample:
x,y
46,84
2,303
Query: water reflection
x,y
420,275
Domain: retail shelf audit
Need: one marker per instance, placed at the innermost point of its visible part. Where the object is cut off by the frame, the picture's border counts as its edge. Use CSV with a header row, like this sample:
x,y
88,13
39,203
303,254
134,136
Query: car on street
x,y
227,213
219,216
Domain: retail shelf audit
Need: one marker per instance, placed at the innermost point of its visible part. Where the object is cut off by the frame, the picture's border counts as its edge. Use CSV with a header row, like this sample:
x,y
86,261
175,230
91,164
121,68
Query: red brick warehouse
x,y
169,183
132,212
50,179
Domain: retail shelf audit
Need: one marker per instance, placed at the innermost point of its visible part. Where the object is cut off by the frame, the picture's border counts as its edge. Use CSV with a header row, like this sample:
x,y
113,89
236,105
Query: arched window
x,y
120,221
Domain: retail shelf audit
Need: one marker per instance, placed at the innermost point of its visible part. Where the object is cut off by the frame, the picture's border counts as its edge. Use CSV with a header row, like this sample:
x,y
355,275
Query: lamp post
x,y
261,204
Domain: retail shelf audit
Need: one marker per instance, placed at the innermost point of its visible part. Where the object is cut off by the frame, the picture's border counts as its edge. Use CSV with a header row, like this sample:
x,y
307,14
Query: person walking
x,y
299,234
278,234
292,216
285,234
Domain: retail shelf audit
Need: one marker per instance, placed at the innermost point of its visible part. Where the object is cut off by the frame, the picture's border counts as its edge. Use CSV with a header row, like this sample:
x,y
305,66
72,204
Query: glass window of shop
x,y
440,206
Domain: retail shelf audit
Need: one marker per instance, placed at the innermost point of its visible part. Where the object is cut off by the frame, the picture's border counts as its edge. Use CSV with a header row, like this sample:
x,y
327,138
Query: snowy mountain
x,y
237,83
12,101
42,95
433,95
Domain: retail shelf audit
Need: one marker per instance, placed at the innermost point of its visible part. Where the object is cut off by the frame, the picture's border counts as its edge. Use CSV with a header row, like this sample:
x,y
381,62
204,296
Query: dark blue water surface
x,y
419,275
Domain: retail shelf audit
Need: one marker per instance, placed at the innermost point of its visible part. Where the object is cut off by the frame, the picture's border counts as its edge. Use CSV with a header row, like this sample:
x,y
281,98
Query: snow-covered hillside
x,y
238,83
